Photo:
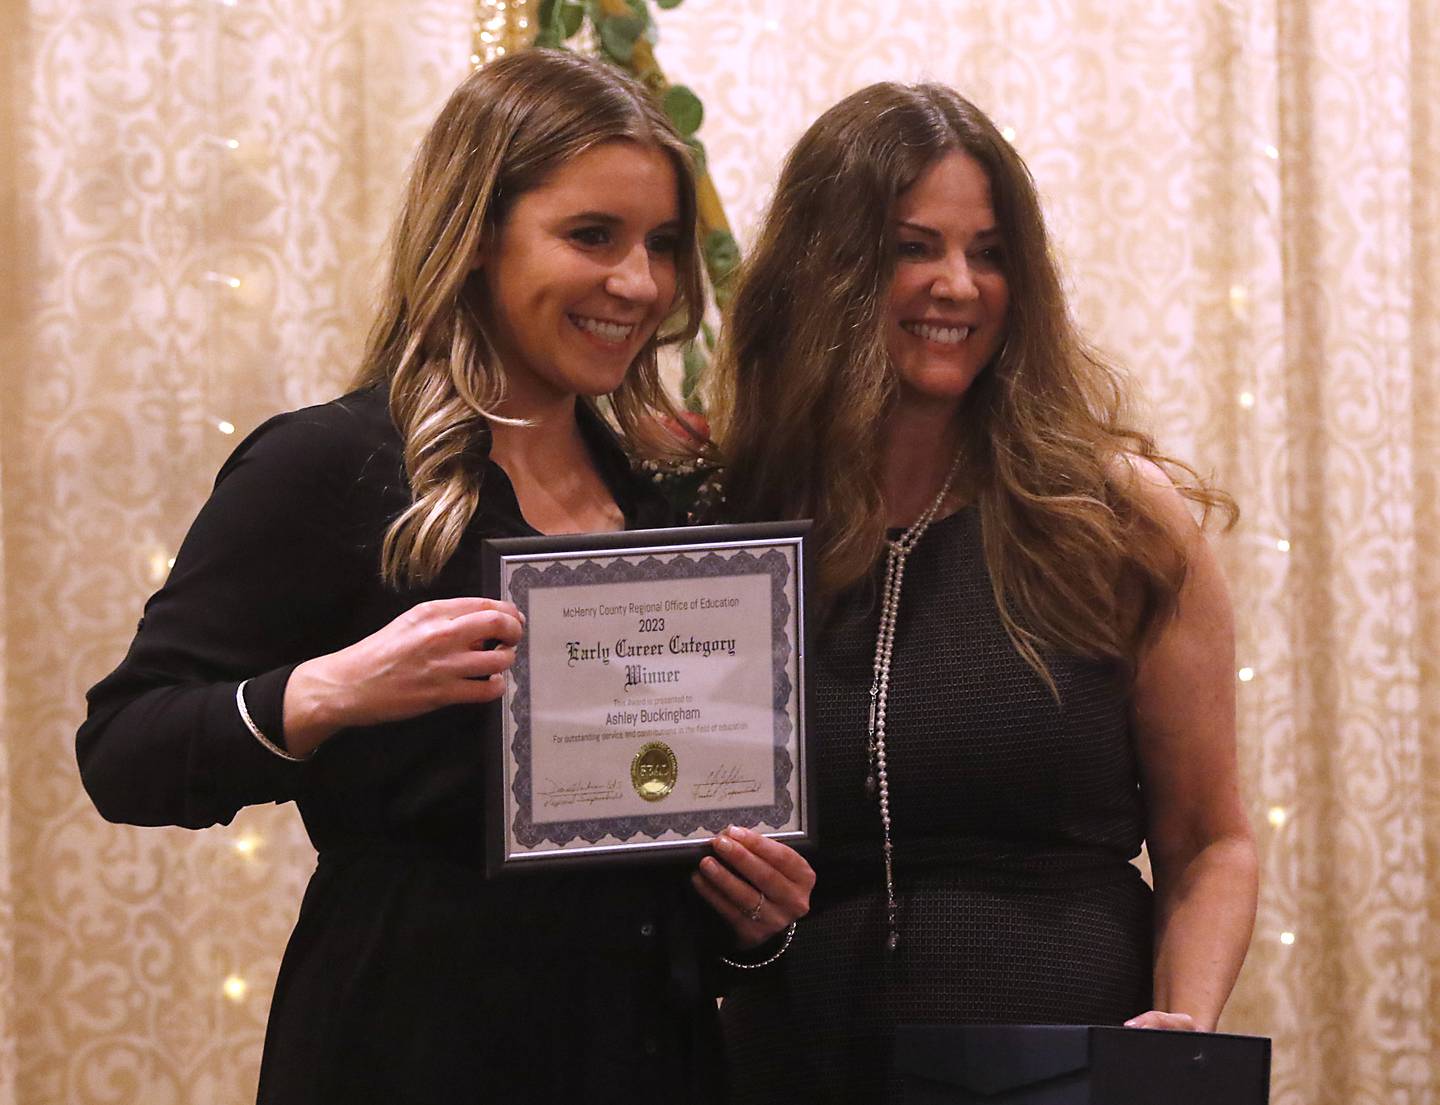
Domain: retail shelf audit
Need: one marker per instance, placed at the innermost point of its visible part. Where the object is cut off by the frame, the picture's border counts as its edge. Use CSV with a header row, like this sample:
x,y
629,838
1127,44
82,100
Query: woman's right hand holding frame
x,y
440,653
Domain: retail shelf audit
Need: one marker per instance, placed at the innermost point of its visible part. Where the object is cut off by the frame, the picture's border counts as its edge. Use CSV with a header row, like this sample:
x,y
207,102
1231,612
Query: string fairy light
x,y
1008,133
1287,938
225,426
1247,399
160,565
1277,816
499,27
227,279
247,845
235,988
1239,300
1245,675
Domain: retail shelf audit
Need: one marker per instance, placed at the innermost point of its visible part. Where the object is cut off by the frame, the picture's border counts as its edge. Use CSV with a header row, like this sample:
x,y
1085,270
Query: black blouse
x,y
408,977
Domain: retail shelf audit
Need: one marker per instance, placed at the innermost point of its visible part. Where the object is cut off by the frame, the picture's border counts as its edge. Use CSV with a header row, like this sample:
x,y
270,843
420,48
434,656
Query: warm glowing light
x,y
223,278
474,59
160,566
1277,816
232,143
170,562
235,988
1287,938
225,427
1272,152
1247,399
1282,545
1245,674
1008,133
1239,299
247,844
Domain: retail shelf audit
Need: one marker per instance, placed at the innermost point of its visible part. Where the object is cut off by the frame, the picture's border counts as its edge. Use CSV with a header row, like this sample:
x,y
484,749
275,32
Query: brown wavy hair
x,y
1080,560
505,129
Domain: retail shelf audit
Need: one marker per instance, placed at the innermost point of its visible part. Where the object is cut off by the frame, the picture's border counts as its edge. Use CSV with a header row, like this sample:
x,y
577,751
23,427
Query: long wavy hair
x,y
505,129
1079,559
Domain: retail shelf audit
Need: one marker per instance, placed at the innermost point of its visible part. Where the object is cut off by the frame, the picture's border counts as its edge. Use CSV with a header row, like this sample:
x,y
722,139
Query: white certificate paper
x,y
657,695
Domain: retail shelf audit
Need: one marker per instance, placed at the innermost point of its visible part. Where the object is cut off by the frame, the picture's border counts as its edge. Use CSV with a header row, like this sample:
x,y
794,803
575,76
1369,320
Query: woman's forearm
x,y
1205,912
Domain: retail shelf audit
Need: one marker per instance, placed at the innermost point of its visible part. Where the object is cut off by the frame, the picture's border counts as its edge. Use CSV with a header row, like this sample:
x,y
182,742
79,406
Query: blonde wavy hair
x,y
1079,558
503,131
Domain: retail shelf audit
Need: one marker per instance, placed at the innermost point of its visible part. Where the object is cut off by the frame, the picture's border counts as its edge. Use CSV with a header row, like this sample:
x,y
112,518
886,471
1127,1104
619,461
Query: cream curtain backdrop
x,y
1246,199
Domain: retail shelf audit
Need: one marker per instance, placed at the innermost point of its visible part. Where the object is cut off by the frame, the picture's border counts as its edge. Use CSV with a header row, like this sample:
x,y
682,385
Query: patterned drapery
x,y
1246,196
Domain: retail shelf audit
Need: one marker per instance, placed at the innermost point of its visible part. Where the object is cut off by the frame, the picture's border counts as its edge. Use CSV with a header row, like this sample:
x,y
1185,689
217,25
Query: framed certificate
x,y
657,695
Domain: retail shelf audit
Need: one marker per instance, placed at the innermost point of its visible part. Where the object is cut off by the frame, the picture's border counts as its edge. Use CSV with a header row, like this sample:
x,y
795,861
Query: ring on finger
x,y
754,914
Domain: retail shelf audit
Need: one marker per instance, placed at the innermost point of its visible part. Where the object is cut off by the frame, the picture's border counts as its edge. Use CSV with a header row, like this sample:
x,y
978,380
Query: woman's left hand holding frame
x,y
757,885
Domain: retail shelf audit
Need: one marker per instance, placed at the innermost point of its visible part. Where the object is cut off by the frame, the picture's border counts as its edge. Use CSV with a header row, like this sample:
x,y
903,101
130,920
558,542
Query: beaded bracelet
x,y
255,729
789,936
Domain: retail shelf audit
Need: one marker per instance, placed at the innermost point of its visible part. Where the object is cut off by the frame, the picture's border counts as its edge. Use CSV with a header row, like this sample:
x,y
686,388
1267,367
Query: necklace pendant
x,y
870,786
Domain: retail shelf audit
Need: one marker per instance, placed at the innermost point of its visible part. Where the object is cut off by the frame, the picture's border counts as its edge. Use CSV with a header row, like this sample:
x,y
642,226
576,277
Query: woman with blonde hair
x,y
1025,665
320,639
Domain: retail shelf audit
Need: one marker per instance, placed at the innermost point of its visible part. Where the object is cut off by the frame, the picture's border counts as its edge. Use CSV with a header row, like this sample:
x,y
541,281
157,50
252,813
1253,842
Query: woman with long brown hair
x,y
1026,656
320,639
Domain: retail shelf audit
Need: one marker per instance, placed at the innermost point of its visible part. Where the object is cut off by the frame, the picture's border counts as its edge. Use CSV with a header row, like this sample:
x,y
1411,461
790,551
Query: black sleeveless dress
x,y
1013,821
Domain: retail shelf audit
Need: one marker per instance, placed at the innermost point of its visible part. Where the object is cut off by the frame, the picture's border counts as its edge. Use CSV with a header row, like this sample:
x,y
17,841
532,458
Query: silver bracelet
x,y
255,729
789,936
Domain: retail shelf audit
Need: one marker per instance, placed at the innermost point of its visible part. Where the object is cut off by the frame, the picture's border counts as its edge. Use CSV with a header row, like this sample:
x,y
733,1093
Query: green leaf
x,y
666,5
619,49
695,362
684,109
618,35
559,20
722,254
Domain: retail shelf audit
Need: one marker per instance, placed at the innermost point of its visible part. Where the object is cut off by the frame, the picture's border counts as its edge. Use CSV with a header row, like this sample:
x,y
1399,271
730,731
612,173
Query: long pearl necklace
x,y
877,783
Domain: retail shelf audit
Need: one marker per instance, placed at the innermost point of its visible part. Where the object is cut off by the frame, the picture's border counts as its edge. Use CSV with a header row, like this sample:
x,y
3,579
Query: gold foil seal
x,y
653,771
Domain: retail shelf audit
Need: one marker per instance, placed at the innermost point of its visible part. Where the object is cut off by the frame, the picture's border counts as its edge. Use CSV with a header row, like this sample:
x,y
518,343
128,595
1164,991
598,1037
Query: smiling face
x,y
582,273
949,295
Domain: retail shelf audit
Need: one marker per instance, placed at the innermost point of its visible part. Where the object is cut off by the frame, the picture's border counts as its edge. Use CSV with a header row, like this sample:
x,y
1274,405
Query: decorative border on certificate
x,y
606,720
772,563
